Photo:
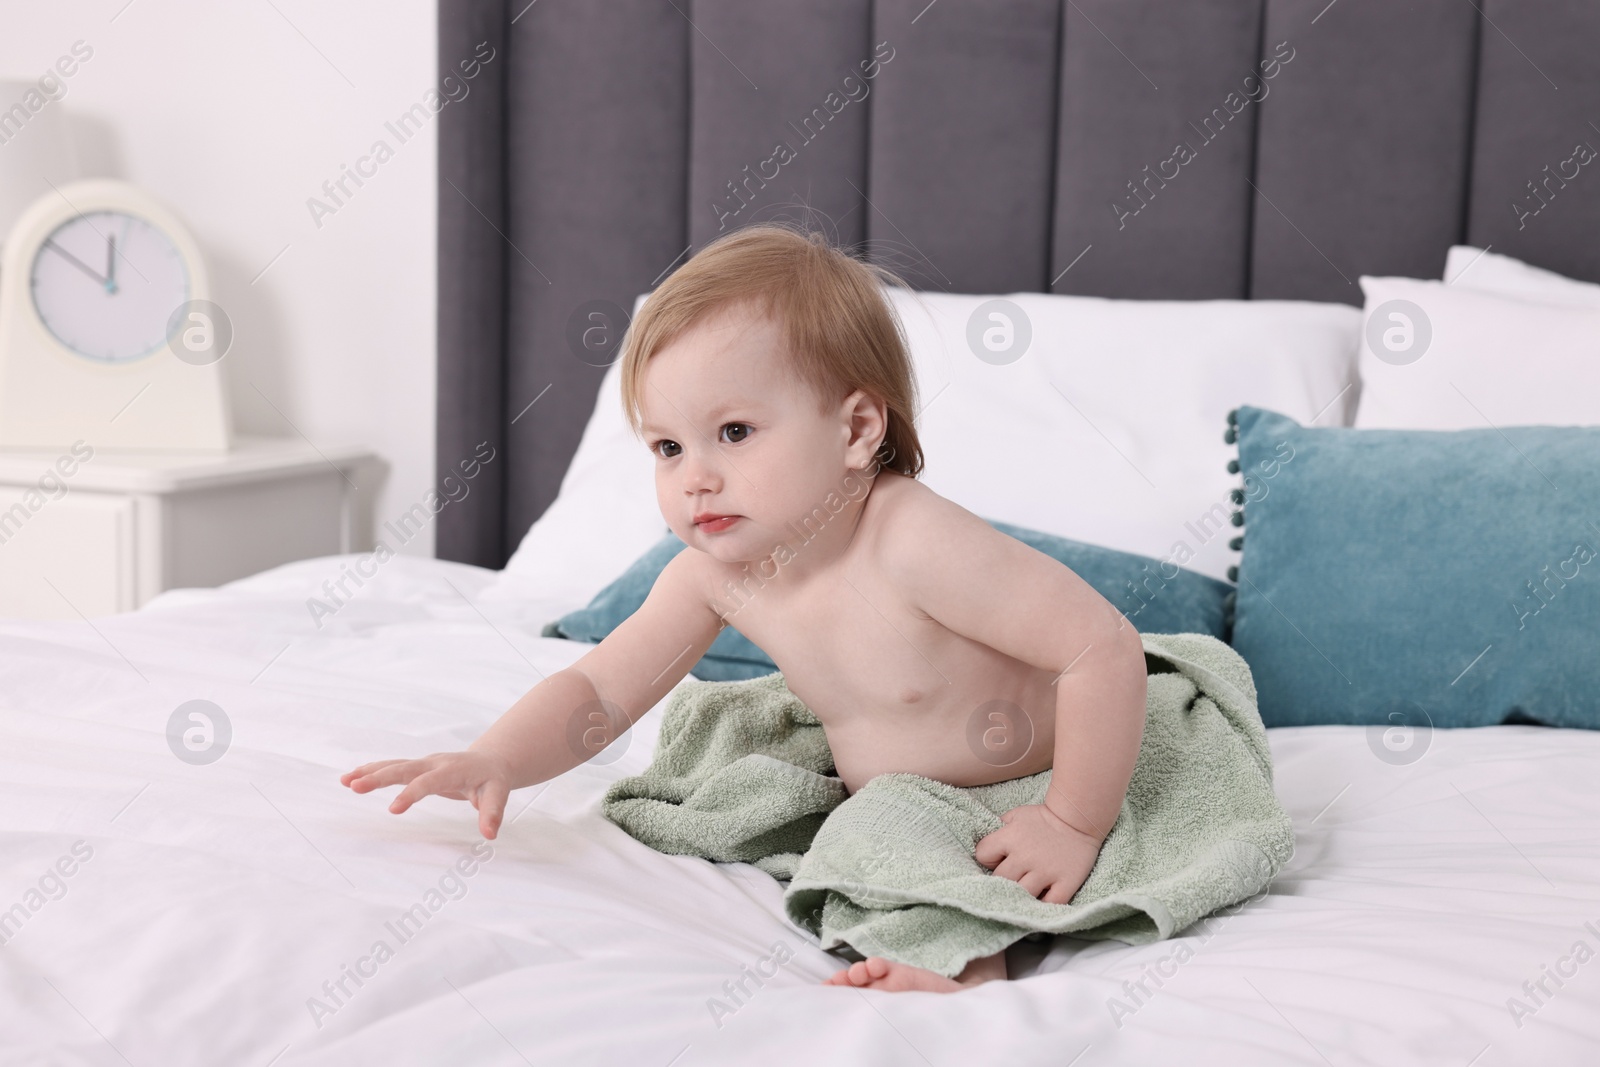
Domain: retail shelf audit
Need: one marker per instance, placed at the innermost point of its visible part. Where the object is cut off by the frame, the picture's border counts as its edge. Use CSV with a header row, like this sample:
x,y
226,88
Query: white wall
x,y
235,114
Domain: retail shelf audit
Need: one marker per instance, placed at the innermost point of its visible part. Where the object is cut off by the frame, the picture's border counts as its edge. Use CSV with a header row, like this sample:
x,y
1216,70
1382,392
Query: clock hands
x,y
99,324
80,264
108,280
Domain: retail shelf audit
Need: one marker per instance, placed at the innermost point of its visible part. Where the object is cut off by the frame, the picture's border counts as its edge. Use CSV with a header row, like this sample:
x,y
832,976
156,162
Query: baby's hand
x,y
478,777
1037,849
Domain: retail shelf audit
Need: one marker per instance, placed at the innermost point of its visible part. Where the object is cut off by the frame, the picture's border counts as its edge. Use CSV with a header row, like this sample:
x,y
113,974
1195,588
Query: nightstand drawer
x,y
227,532
73,552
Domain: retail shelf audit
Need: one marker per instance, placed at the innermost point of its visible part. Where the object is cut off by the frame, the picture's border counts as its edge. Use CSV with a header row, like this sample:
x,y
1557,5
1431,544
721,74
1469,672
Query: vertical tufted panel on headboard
x,y
963,144
471,288
1124,148
1362,154
1153,152
781,131
1538,91
596,136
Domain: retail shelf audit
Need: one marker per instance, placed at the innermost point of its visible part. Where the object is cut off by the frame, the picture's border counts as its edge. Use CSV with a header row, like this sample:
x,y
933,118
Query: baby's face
x,y
734,435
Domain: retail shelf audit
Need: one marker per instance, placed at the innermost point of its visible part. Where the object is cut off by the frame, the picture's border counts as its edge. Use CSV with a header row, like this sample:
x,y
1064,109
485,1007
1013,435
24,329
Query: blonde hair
x,y
840,332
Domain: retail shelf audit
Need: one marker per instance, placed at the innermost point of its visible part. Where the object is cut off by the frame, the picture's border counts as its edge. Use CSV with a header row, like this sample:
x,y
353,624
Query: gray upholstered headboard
x,y
998,146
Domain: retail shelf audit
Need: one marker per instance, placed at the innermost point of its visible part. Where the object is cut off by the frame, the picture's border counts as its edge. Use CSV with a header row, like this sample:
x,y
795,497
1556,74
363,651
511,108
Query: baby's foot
x,y
875,972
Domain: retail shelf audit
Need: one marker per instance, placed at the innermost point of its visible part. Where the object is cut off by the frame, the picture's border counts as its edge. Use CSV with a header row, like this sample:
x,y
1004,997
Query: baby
x,y
765,375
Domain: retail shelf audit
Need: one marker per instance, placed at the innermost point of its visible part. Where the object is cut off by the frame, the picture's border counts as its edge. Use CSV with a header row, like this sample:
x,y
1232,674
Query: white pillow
x,y
1490,272
1454,358
1109,427
1156,378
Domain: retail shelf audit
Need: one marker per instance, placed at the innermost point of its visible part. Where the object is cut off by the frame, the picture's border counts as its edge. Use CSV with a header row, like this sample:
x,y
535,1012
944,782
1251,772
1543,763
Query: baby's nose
x,y
700,474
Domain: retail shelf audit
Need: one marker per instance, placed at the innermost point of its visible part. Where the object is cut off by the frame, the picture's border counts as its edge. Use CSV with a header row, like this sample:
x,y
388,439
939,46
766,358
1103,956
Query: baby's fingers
x,y
1013,868
392,773
428,782
991,849
490,801
1035,882
1059,894
351,778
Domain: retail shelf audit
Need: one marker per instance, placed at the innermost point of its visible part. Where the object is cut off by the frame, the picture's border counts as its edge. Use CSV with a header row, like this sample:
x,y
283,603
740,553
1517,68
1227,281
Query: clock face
x,y
105,284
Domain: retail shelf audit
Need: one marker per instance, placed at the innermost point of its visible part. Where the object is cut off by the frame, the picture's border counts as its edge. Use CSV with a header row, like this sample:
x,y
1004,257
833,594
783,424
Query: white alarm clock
x,y
107,331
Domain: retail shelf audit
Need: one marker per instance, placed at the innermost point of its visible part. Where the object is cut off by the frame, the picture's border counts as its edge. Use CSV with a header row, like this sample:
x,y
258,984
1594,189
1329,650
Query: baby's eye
x,y
734,432
661,446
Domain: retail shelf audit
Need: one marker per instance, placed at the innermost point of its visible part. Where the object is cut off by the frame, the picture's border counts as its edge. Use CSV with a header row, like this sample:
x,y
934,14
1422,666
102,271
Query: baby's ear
x,y
846,406
868,416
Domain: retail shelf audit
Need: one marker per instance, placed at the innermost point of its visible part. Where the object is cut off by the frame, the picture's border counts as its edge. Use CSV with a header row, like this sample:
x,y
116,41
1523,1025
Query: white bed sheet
x,y
220,898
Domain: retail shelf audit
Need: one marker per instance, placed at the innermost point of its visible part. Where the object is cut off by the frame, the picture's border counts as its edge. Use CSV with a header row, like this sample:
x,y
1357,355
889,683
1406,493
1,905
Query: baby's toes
x,y
862,972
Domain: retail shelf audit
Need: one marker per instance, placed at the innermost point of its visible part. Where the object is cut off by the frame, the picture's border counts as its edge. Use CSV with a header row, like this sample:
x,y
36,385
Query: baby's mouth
x,y
716,524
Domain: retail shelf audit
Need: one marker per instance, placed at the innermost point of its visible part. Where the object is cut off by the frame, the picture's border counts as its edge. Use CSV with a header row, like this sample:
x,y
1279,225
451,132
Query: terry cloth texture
x,y
742,773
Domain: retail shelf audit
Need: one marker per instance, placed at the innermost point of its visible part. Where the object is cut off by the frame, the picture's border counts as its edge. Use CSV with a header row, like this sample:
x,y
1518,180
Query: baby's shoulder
x,y
693,575
901,513
919,536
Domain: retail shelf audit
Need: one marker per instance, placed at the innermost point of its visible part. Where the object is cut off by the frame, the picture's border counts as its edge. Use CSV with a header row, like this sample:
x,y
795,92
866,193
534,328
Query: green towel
x,y
742,773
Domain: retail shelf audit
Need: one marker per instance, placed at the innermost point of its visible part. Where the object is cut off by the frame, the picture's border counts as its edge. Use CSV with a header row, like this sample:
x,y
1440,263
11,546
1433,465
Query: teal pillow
x,y
1156,597
1419,577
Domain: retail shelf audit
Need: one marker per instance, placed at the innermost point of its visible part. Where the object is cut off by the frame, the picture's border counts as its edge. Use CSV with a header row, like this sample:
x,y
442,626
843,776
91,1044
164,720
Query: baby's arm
x,y
992,588
630,671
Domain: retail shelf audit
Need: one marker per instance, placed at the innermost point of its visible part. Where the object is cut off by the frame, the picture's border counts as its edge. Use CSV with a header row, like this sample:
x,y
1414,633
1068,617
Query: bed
x,y
219,899
159,908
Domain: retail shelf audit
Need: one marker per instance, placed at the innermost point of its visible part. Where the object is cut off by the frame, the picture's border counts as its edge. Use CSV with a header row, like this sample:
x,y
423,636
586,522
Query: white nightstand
x,y
131,524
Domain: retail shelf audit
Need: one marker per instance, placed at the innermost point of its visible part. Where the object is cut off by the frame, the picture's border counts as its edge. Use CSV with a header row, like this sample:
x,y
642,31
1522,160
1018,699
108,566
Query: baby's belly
x,y
963,743
916,698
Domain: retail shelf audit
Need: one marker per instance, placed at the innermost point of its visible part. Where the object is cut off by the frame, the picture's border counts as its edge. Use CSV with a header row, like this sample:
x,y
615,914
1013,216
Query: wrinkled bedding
x,y
159,910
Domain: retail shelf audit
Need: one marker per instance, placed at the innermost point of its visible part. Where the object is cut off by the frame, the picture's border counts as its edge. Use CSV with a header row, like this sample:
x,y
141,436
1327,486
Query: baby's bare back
x,y
895,689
